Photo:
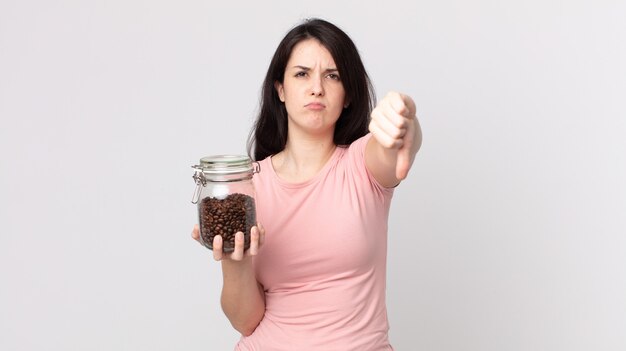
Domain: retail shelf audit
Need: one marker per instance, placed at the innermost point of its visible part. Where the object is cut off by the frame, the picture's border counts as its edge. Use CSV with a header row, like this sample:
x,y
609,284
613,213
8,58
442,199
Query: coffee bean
x,y
225,217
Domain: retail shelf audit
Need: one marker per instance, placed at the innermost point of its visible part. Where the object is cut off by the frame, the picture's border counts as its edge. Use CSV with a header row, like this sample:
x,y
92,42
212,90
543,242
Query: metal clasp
x,y
200,180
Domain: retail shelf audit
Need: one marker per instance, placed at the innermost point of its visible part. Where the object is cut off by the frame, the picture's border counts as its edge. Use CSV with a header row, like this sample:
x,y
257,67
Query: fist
x,y
395,126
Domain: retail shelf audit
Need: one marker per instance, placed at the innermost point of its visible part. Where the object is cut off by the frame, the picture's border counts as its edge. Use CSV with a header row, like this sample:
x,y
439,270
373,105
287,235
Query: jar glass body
x,y
226,205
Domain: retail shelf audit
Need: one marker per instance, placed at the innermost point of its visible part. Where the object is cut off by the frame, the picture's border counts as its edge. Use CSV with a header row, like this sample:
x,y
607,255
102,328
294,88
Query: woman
x,y
316,280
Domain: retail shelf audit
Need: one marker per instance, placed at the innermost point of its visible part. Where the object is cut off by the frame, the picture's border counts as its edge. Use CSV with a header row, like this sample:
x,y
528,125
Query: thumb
x,y
403,163
403,159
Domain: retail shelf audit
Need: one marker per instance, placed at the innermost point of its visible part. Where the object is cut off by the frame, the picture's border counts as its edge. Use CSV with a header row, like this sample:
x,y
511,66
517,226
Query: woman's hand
x,y
257,237
395,127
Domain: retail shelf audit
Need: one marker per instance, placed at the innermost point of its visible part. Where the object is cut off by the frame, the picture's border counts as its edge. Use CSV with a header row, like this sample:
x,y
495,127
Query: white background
x,y
510,233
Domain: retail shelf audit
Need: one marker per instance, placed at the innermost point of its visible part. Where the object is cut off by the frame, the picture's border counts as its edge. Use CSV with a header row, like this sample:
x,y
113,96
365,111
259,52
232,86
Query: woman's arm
x,y
396,138
243,298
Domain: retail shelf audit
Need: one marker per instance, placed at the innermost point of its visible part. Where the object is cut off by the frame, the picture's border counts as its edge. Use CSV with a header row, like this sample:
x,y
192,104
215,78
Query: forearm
x,y
243,300
381,162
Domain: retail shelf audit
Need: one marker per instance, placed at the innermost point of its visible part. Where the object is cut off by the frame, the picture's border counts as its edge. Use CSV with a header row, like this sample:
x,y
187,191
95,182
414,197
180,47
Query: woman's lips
x,y
316,106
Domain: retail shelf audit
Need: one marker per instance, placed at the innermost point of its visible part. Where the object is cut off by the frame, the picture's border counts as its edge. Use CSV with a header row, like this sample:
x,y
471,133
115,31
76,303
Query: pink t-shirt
x,y
323,264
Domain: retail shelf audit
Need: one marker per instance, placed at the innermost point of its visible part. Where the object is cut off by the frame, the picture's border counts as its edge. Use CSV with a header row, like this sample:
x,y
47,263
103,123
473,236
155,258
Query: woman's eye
x,y
300,74
334,76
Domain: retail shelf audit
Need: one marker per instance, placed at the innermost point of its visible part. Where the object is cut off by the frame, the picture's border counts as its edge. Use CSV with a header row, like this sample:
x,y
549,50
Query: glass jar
x,y
225,198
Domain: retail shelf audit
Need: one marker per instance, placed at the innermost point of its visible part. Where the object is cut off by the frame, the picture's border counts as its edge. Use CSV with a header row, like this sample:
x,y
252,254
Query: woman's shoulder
x,y
357,147
263,165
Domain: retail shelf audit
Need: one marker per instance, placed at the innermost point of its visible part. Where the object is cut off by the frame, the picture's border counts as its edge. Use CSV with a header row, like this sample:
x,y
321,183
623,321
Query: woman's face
x,y
312,89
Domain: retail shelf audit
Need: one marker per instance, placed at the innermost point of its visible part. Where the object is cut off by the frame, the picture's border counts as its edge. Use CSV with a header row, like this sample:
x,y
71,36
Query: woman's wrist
x,y
233,270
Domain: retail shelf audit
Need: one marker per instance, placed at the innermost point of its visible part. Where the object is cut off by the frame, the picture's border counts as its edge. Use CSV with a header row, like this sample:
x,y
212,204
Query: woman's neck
x,y
303,158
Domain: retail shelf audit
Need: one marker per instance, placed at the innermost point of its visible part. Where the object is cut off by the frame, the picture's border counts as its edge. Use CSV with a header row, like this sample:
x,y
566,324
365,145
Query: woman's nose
x,y
317,87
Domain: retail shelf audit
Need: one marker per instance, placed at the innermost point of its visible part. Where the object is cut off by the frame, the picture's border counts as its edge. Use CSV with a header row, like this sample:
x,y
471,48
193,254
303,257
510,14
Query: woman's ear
x,y
279,89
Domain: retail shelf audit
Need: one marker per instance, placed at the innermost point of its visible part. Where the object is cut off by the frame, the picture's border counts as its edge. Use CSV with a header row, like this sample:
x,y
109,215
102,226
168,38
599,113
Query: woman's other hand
x,y
257,237
395,126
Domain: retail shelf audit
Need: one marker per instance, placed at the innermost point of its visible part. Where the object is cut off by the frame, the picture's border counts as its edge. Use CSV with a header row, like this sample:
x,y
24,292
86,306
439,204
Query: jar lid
x,y
225,164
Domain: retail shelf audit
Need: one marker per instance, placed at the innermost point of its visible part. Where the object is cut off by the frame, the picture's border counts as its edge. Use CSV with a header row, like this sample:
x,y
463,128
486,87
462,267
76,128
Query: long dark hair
x,y
269,134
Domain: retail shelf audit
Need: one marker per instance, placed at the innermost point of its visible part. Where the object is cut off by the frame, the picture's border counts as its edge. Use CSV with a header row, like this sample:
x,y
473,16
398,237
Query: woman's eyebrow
x,y
304,68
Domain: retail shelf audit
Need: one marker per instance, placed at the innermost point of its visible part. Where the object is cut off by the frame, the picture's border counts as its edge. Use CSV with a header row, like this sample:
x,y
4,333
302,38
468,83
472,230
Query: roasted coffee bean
x,y
225,217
